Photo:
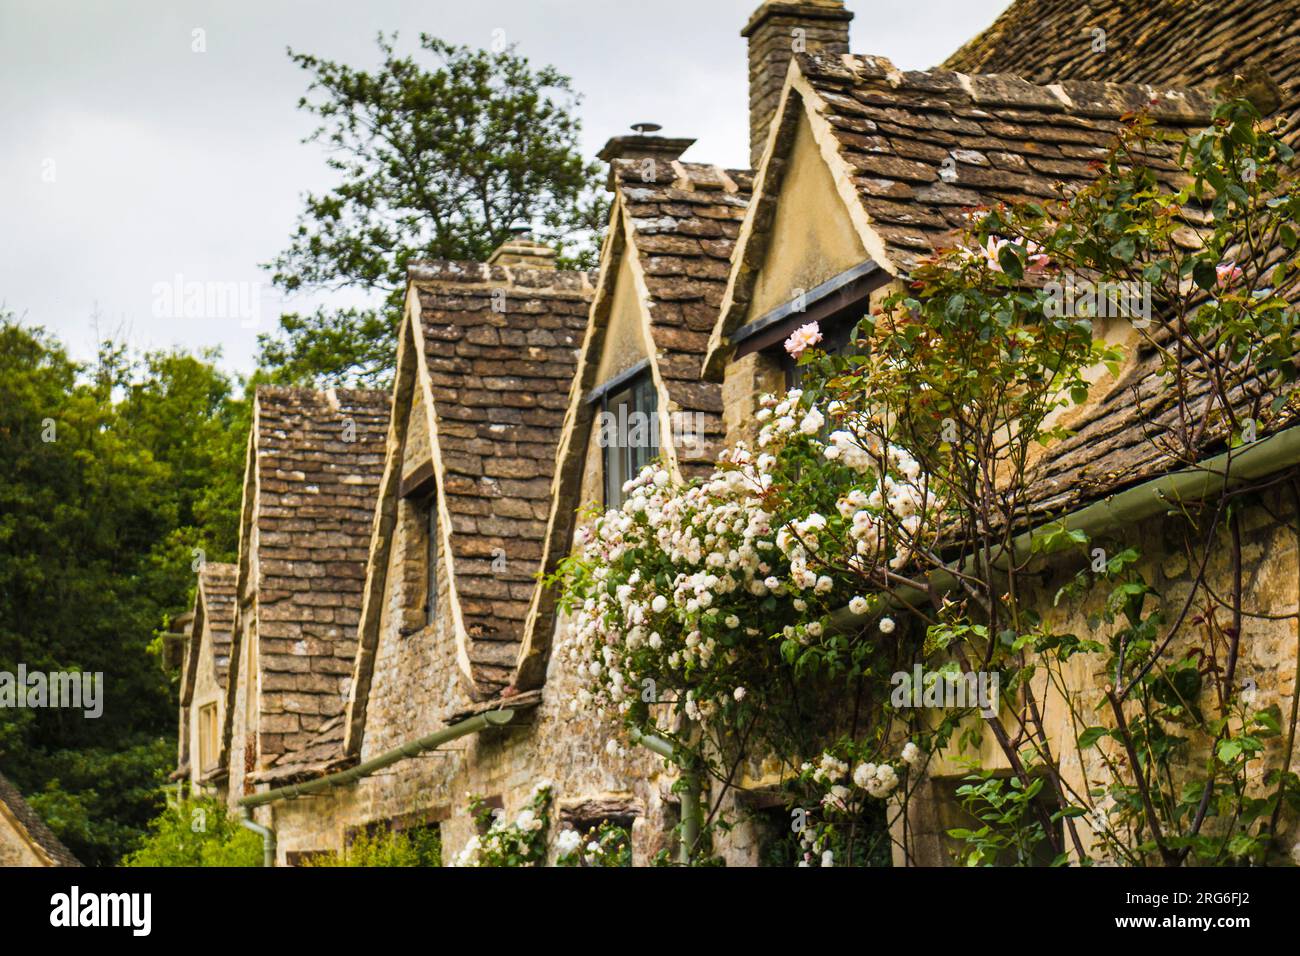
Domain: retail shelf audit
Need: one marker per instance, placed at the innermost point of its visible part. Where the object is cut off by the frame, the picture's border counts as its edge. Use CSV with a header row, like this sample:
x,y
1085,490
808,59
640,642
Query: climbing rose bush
x,y
608,845
521,842
693,596
843,781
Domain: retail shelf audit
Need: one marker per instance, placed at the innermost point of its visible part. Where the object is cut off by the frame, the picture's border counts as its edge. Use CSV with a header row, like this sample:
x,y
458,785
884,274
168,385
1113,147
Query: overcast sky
x,y
127,159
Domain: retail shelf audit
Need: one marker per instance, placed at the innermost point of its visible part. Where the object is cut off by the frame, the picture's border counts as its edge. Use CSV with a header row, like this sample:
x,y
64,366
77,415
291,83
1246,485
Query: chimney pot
x,y
644,145
522,250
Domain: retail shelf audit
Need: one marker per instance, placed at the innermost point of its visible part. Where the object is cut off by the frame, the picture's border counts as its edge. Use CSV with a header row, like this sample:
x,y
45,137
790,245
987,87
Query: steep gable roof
x,y
489,351
31,827
214,613
315,460
676,223
681,222
1176,42
912,152
925,146
498,388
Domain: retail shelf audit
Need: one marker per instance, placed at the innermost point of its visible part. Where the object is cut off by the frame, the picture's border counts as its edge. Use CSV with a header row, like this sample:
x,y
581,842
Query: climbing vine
x,y
862,596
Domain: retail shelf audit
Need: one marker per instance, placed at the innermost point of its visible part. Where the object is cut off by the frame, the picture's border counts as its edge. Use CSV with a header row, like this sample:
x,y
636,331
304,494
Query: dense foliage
x,y
197,832
419,846
115,479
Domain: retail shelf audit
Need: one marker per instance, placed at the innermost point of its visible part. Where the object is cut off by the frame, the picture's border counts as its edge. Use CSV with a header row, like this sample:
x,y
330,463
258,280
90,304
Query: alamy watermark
x,y
632,429
73,909
1073,296
945,689
56,690
183,298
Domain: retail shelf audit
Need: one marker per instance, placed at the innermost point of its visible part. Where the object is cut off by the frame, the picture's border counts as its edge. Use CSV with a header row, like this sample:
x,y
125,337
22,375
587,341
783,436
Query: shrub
x,y
197,832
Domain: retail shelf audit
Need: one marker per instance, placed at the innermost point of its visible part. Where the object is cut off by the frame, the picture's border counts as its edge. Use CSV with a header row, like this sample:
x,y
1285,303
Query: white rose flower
x,y
886,625
858,605
864,774
567,842
812,422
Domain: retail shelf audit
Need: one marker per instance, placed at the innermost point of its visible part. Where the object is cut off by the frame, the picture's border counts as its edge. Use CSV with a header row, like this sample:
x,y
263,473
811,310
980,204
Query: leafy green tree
x,y
110,477
435,161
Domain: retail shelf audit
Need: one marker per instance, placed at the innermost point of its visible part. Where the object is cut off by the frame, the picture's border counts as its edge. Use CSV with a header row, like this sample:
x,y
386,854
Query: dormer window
x,y
420,573
209,744
837,306
428,509
627,428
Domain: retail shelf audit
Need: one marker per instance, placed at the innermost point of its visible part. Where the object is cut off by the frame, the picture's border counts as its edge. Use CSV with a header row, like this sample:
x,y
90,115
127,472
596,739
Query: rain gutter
x,y
472,725
1211,477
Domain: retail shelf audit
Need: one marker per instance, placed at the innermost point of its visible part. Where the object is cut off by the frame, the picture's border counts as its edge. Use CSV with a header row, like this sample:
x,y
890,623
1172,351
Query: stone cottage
x,y
314,463
525,393
205,672
25,840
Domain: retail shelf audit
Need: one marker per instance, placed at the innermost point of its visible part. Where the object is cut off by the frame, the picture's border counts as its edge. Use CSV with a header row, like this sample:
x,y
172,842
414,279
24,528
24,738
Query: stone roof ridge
x,y
333,398
708,178
558,282
1183,104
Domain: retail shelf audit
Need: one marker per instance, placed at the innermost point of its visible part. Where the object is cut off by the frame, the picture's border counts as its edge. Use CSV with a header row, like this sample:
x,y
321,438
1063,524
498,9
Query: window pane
x,y
629,432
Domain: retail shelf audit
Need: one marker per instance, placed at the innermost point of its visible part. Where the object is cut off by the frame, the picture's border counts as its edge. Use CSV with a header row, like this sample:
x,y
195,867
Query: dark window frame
x,y
634,390
837,306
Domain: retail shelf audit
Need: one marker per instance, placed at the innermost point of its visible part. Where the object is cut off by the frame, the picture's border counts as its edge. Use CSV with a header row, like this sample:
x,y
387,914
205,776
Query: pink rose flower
x,y
1227,272
803,337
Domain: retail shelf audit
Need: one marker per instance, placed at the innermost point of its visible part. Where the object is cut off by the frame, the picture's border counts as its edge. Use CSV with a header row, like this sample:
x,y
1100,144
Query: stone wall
x,y
15,848
1268,660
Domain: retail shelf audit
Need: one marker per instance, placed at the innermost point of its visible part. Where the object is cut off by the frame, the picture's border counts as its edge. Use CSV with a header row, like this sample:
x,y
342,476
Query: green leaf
x,y
1009,260
1124,250
1090,736
1204,274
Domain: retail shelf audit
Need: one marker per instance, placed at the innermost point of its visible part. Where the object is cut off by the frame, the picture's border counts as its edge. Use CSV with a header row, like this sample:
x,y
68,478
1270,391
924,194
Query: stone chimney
x,y
644,145
775,32
521,249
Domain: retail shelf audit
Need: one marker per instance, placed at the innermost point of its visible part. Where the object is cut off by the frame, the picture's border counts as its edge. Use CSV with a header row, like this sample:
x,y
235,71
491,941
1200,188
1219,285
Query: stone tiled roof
x,y
318,459
501,346
1127,434
684,219
217,592
1178,42
681,222
925,146
322,753
920,149
214,603
34,827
